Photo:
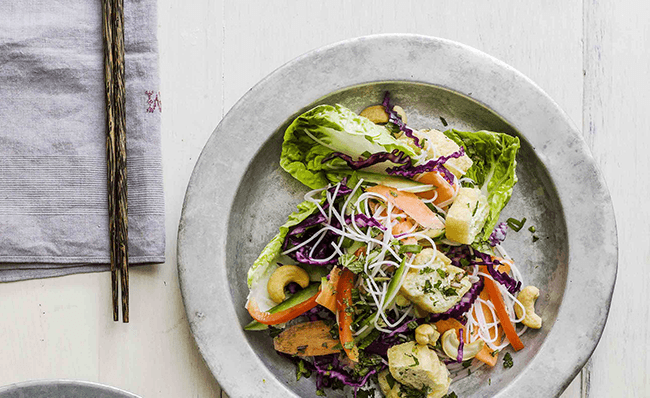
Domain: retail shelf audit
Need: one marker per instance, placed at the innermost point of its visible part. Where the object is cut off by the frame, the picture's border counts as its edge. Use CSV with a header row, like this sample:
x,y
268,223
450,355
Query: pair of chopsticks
x,y
113,32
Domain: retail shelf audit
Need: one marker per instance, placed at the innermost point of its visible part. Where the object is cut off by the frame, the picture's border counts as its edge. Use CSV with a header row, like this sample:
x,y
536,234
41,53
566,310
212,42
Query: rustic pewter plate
x,y
239,195
62,389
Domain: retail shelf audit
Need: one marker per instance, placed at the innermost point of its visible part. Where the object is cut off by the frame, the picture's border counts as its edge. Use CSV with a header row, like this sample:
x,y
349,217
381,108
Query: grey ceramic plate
x,y
238,196
62,389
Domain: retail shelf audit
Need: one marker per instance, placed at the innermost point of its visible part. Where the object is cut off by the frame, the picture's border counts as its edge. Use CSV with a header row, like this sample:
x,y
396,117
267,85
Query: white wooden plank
x,y
540,38
616,125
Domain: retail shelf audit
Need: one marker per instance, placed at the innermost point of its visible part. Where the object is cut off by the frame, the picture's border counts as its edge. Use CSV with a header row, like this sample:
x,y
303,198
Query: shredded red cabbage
x,y
410,171
499,234
462,306
394,118
459,357
328,367
303,232
501,277
396,156
463,256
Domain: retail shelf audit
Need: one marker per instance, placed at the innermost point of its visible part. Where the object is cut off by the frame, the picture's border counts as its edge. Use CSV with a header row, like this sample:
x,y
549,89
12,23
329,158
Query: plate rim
x,y
196,316
14,387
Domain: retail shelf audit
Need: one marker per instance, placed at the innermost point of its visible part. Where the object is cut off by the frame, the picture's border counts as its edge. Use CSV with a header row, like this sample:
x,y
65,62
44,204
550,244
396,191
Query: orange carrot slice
x,y
344,306
282,316
487,356
504,319
411,204
444,189
327,295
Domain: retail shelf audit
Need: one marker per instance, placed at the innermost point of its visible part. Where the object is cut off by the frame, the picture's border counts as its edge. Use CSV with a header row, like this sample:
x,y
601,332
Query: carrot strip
x,y
344,306
327,295
487,356
411,204
282,316
444,189
502,314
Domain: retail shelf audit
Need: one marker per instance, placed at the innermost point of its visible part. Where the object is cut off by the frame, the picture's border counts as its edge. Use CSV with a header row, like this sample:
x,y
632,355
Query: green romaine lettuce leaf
x,y
494,157
266,260
326,129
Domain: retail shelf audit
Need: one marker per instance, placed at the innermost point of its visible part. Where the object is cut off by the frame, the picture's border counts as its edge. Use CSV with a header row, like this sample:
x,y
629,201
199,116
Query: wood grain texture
x,y
615,125
107,32
121,187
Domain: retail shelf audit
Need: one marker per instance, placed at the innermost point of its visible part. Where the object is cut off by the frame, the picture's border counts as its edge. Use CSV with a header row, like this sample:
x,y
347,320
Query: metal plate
x,y
62,389
238,196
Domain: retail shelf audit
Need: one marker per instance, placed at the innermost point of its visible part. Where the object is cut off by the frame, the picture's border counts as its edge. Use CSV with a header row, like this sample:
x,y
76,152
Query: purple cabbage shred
x,y
461,344
394,118
396,156
499,234
324,249
410,171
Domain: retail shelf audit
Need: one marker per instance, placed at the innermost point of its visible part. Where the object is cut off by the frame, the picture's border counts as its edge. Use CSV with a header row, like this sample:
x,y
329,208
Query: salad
x,y
390,276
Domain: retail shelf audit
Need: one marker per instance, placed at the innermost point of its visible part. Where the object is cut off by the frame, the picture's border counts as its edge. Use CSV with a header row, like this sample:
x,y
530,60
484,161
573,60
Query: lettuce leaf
x,y
326,129
267,259
494,156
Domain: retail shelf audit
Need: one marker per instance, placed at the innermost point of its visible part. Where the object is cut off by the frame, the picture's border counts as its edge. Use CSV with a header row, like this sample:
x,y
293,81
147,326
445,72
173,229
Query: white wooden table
x,y
590,56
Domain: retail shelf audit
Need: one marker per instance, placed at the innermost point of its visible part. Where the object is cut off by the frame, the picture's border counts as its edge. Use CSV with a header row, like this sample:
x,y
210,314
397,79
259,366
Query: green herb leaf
x,y
507,361
515,224
442,273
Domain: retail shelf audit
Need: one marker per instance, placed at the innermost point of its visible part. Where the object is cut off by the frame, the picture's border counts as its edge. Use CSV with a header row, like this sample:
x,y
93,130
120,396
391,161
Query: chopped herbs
x,y
366,393
467,364
426,270
532,229
393,194
507,361
475,208
444,121
366,154
412,325
515,224
416,361
320,393
535,238
464,262
443,274
352,262
349,345
273,332
449,291
427,288
301,370
451,395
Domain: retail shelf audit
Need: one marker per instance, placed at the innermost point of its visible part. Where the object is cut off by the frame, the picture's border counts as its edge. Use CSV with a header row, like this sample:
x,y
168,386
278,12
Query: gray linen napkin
x,y
53,201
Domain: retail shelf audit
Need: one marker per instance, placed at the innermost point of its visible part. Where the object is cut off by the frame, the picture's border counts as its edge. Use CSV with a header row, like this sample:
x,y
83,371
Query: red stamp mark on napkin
x,y
153,102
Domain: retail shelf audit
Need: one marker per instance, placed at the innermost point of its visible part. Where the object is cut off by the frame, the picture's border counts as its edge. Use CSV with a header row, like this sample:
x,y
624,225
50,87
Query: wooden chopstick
x,y
113,23
122,225
107,11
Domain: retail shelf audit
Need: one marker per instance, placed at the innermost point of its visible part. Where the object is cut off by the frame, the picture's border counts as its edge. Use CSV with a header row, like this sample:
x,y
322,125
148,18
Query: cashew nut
x,y
426,334
282,277
450,345
527,296
377,114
